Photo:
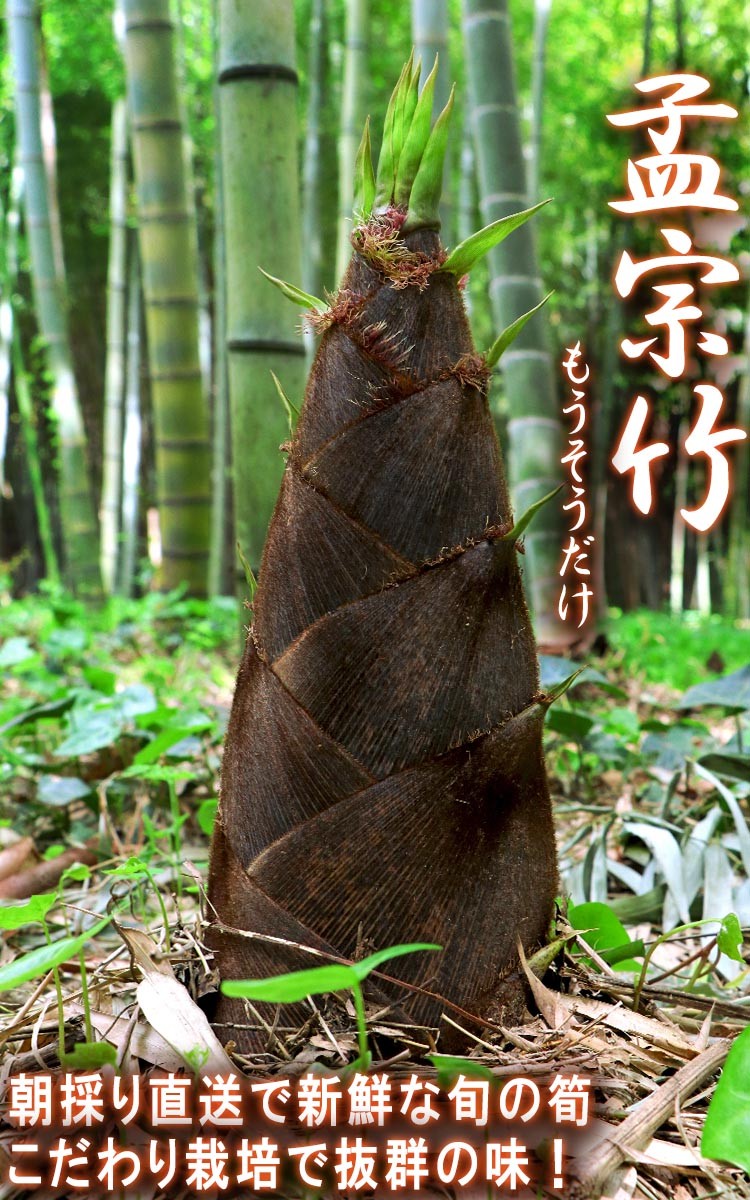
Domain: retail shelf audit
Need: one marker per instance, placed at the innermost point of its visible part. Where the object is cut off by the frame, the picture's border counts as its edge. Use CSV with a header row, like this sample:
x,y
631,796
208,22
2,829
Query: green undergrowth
x,y
677,651
111,707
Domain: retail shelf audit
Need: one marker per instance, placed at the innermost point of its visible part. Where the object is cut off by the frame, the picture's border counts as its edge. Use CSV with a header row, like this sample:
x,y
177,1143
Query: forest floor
x,y
111,725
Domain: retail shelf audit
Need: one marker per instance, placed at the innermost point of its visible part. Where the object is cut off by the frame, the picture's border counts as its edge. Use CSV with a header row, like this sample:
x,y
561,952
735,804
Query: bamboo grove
x,y
145,362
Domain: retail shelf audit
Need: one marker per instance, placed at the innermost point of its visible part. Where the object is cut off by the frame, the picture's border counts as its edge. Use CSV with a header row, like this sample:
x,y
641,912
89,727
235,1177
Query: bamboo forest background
x,y
145,175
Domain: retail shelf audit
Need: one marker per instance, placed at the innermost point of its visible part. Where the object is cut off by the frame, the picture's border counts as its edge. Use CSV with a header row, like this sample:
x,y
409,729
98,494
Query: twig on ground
x,y
635,1132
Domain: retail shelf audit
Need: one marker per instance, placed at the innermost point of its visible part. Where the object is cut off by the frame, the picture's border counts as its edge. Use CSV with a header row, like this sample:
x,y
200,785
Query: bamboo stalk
x,y
429,31
353,115
737,581
220,411
78,520
205,342
679,528
534,429
132,427
170,287
468,208
312,242
33,463
541,25
12,368
10,221
114,379
257,99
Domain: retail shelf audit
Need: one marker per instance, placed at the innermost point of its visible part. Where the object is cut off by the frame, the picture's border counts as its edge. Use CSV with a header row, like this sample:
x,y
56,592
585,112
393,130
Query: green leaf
x,y
252,582
634,949
542,959
730,937
525,520
292,412
159,745
100,680
158,773
554,670
206,816
731,692
132,868
291,988
403,112
386,174
15,651
45,958
66,642
449,1067
77,873
364,178
416,141
468,253
14,916
99,730
35,712
134,701
570,723
668,854
500,345
412,98
733,804
304,299
736,766
428,184
622,722
363,968
726,1130
59,790
165,717
605,932
90,1056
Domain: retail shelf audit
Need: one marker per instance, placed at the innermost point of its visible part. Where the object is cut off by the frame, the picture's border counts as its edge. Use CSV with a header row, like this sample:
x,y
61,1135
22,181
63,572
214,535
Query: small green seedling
x,y
449,1067
317,981
48,957
728,941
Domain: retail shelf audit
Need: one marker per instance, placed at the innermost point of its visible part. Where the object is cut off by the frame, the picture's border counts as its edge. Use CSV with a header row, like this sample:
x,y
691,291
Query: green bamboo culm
x,y
132,425
429,27
168,246
217,566
114,379
353,114
736,581
9,223
534,428
258,117
79,533
319,168
12,366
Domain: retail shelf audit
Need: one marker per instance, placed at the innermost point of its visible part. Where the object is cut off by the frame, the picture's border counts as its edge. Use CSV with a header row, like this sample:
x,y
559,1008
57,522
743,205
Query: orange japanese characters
x,y
672,179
